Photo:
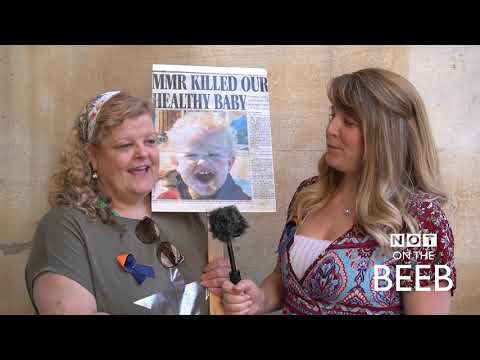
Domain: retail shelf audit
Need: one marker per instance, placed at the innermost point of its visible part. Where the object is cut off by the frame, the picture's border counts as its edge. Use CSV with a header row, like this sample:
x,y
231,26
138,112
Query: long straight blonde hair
x,y
399,158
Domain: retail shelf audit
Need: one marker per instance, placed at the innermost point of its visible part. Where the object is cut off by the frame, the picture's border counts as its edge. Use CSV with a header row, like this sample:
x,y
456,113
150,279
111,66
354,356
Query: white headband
x,y
87,119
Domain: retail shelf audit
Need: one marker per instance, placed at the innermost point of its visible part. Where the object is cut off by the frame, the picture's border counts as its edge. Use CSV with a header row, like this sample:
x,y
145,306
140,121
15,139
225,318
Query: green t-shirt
x,y
68,243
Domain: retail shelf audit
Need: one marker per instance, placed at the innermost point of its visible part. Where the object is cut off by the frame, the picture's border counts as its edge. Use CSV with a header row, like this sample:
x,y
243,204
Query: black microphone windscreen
x,y
227,223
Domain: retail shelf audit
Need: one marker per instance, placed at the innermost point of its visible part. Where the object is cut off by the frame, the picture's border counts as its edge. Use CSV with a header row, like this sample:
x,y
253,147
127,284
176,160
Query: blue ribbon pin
x,y
139,271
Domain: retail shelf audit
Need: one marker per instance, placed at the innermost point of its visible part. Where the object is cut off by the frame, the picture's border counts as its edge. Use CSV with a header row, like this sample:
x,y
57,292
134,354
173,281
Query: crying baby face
x,y
205,161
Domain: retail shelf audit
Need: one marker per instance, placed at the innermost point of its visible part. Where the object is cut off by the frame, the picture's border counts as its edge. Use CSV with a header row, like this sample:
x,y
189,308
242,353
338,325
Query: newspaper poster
x,y
215,140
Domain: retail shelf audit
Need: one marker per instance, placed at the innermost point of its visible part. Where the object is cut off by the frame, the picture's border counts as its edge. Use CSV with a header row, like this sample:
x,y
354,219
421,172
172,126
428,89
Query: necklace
x,y
102,204
347,212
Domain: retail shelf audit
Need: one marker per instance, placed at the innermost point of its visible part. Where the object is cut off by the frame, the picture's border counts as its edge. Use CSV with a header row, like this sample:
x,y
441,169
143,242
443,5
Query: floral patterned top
x,y
341,280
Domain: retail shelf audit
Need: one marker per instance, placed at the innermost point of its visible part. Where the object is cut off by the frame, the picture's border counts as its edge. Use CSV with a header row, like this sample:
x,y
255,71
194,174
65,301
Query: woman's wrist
x,y
262,303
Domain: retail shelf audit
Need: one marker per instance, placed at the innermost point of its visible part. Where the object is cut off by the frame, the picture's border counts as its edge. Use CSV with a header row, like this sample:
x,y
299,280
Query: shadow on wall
x,y
14,298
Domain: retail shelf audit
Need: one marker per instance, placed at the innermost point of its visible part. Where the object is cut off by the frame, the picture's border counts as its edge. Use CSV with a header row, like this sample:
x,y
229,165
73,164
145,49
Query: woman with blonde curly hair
x,y
378,176
99,249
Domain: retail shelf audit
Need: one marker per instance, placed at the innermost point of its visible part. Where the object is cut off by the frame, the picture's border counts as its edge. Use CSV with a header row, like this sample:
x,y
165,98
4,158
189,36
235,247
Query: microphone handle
x,y
235,277
234,274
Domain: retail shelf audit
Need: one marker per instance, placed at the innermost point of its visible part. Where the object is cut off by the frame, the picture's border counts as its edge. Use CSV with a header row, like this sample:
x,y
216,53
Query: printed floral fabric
x,y
341,280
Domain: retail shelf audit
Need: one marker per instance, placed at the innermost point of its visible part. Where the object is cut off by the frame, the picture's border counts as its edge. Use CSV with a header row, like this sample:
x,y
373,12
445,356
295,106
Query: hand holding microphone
x,y
239,296
226,224
243,298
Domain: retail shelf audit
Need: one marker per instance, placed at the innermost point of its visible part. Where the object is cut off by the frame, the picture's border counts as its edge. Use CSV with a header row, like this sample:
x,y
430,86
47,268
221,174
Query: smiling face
x,y
127,160
344,142
204,161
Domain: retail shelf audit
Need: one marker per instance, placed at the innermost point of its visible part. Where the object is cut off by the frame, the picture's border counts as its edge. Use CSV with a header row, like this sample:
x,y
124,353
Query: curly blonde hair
x,y
72,184
399,159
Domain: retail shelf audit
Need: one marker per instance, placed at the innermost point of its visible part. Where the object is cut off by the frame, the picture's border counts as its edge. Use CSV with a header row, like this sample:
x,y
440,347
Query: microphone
x,y
225,224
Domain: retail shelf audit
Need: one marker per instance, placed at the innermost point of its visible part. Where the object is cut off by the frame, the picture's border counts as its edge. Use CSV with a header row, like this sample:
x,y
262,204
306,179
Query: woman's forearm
x,y
273,291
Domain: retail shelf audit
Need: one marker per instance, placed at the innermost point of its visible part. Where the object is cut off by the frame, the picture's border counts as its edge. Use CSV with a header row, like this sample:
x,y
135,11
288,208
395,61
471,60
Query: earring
x,y
94,175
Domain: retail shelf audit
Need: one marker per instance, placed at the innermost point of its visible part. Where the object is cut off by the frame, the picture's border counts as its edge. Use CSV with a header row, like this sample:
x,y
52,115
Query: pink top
x,y
342,279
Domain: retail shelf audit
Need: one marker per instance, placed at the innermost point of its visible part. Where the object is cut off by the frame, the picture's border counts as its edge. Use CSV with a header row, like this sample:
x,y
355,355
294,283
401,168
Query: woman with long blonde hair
x,y
378,177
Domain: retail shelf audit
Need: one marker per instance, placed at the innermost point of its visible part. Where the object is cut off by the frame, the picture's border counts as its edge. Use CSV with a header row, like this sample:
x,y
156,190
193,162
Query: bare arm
x,y
426,303
273,291
246,298
56,294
